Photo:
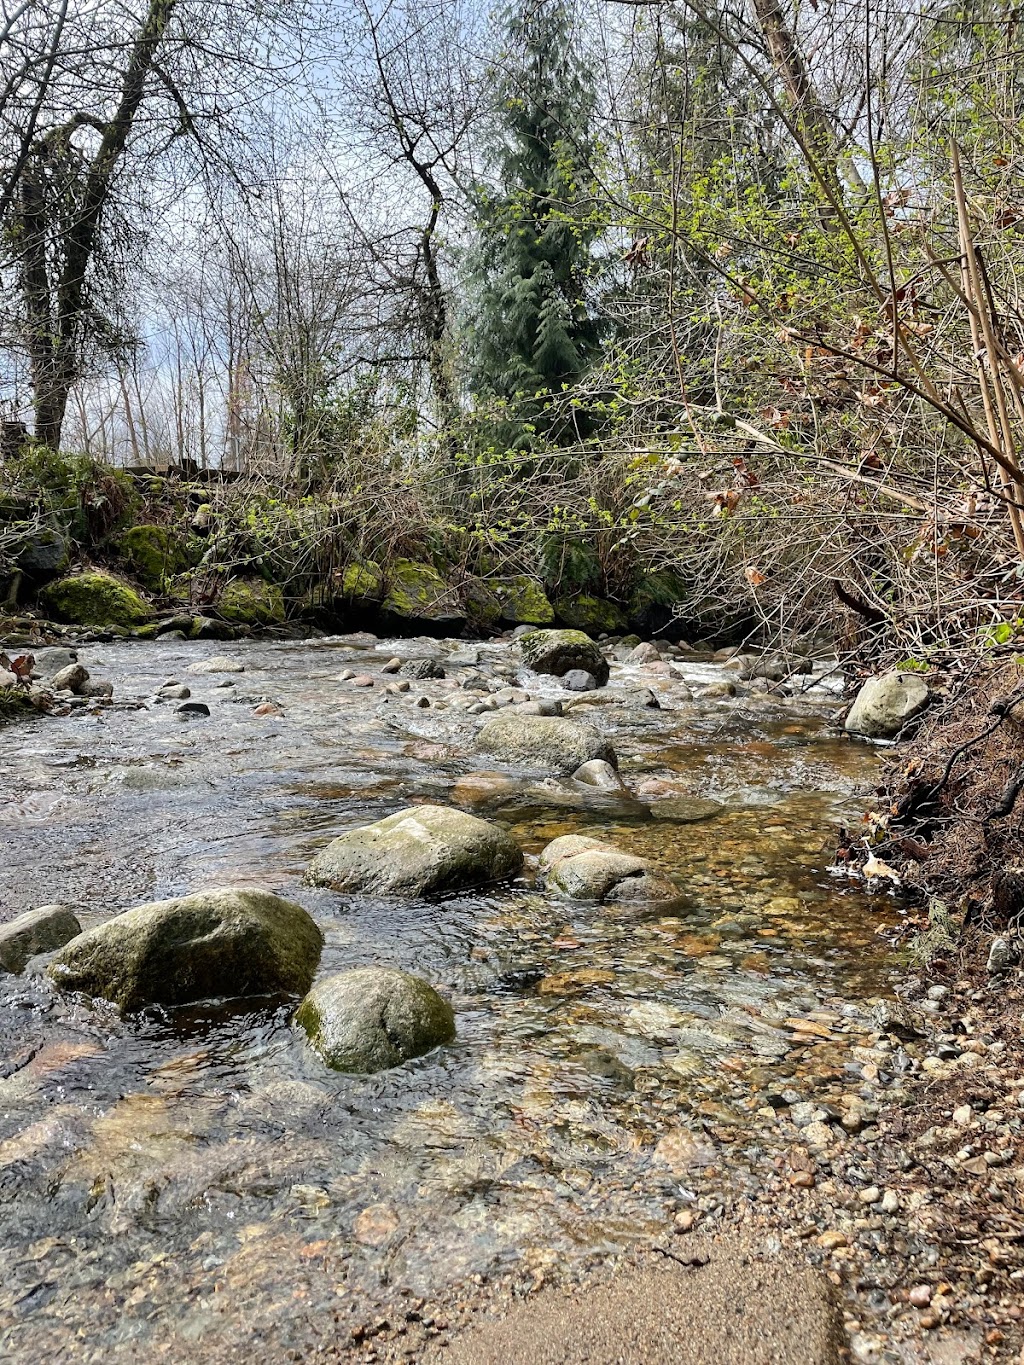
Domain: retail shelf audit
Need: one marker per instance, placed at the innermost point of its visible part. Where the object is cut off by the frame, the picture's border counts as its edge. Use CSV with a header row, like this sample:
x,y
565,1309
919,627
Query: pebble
x,y
392,666
920,1296
362,680
871,1195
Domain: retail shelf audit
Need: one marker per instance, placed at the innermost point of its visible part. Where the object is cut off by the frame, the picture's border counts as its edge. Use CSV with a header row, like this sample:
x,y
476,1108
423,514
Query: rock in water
x,y
598,773
214,944
69,679
585,869
577,680
220,663
421,851
886,703
374,1017
561,651
37,931
553,743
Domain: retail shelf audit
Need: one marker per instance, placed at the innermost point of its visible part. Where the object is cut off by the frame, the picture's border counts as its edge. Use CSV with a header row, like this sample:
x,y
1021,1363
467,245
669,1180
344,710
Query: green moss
x,y
363,581
14,703
524,602
593,615
95,598
252,602
154,554
482,604
418,590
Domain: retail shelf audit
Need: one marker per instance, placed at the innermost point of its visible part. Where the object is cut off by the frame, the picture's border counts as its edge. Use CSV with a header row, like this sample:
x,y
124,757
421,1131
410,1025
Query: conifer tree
x,y
534,328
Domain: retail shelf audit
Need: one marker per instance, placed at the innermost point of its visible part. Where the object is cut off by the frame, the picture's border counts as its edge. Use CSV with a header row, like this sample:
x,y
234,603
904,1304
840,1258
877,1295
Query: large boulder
x,y
553,743
596,615
374,1017
421,851
213,944
417,592
362,580
37,931
584,869
561,651
42,554
252,602
524,602
94,598
884,705
154,554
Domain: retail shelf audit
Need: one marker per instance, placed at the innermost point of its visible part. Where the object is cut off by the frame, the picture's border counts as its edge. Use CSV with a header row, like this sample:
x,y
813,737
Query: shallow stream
x,y
166,1180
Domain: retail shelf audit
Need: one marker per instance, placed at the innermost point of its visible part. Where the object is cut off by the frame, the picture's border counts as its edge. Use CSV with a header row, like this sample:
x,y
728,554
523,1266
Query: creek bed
x,y
200,1174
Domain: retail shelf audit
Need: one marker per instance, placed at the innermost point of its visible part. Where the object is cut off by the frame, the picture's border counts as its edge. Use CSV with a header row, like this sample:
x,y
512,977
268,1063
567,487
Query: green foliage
x,y
90,497
534,329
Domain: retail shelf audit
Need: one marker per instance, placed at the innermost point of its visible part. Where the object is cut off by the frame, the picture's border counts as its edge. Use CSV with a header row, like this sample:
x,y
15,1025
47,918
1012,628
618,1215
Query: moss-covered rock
x,y
14,703
416,591
561,651
252,602
374,1017
224,943
524,602
154,554
594,615
94,598
483,607
554,744
362,581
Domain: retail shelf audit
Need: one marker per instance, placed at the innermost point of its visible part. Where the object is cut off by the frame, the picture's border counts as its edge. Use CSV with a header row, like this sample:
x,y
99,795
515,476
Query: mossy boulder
x,y
94,598
154,554
558,652
219,944
362,581
252,602
373,1018
524,602
416,591
595,615
483,607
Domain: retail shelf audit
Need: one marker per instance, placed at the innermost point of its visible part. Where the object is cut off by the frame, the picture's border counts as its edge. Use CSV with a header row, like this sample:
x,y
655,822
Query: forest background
x,y
705,313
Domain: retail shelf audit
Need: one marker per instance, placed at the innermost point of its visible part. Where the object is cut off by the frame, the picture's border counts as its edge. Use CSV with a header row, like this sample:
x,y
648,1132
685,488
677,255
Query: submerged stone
x,y
422,851
373,1018
219,944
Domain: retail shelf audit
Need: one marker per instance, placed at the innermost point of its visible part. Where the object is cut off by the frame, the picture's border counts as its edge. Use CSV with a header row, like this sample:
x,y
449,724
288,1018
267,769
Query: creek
x,y
200,1175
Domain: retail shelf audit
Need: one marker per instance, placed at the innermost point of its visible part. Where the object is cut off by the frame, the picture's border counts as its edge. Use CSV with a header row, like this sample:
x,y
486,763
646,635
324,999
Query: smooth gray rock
x,y
225,943
884,705
1002,955
220,663
37,931
560,651
578,680
553,743
96,687
69,679
600,774
52,659
421,851
584,869
374,1017
644,653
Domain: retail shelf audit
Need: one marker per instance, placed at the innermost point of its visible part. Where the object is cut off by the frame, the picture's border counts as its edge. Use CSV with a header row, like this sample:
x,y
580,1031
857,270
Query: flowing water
x,y
201,1177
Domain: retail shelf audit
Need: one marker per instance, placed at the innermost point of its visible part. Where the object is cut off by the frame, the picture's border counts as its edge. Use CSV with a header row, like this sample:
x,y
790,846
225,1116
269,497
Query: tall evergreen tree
x,y
535,330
